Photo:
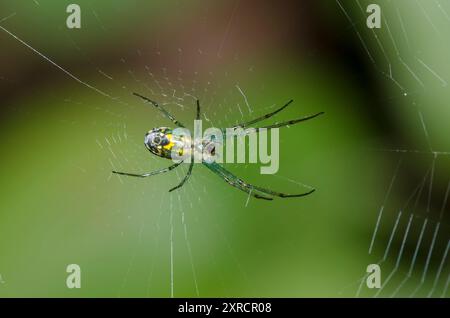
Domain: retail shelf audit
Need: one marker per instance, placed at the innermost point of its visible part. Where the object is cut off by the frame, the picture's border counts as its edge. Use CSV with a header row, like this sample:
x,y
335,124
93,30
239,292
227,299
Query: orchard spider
x,y
160,141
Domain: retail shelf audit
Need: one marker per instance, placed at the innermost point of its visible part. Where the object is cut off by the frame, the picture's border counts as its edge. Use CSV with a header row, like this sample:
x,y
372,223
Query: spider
x,y
160,141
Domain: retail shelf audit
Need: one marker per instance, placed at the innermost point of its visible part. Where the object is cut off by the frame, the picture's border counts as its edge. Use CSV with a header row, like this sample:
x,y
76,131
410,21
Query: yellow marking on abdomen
x,y
170,145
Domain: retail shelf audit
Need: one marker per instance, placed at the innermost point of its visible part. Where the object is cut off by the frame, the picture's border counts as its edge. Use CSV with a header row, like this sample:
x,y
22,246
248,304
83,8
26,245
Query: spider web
x,y
410,239
162,222
178,211
175,217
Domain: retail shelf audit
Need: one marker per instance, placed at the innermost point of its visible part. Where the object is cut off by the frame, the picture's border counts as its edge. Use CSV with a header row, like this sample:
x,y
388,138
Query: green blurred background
x,y
385,96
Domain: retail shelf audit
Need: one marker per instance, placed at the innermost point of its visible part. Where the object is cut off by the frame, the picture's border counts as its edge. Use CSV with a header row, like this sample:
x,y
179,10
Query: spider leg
x,y
148,174
282,124
162,109
282,195
291,122
233,180
186,177
253,121
198,110
249,188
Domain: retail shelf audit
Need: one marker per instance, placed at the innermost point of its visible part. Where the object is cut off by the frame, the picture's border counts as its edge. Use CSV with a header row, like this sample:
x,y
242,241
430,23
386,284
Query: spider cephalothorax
x,y
158,141
162,142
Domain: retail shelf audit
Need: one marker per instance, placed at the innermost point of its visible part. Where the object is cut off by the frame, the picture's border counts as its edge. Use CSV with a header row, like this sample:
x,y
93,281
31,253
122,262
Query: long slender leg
x,y
232,180
249,188
186,177
148,174
191,165
292,122
280,194
282,124
162,109
198,110
253,121
276,125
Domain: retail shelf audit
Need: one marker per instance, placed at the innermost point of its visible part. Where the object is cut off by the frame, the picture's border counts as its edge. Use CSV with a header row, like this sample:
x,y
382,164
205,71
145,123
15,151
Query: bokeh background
x,y
383,145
